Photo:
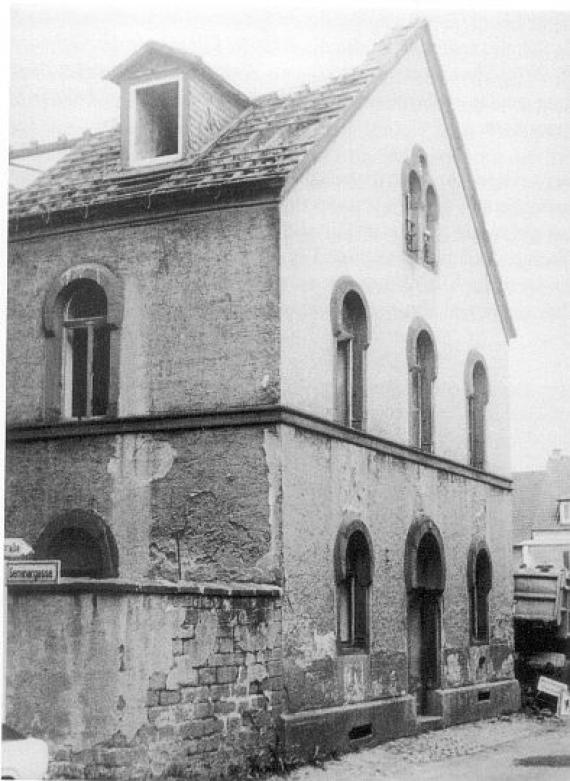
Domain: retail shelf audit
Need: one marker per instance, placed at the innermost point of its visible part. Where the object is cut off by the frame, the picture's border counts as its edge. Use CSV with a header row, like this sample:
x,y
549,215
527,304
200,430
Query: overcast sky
x,y
509,78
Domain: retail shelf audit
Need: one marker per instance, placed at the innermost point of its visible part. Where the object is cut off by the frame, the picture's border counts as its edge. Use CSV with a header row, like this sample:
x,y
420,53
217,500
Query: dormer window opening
x,y
156,122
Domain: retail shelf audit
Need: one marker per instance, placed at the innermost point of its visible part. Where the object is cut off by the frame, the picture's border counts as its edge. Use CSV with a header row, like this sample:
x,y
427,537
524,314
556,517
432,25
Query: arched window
x,y
432,212
422,376
350,329
421,211
413,198
83,543
353,560
479,574
85,343
82,317
477,398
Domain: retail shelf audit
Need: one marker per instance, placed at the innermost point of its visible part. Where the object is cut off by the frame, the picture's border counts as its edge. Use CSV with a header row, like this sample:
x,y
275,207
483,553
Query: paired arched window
x,y
480,581
83,543
82,317
477,392
420,209
353,569
422,365
349,316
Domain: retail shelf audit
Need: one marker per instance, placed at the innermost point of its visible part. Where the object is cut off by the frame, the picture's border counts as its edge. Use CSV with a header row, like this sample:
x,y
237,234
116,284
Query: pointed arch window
x,y
421,209
349,315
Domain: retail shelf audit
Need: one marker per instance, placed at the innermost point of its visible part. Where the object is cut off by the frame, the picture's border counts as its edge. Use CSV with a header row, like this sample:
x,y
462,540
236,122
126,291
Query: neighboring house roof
x,y
273,141
536,495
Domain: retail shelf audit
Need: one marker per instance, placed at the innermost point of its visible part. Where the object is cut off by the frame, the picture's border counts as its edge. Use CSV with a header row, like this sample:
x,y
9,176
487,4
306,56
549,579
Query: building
x,y
257,406
541,514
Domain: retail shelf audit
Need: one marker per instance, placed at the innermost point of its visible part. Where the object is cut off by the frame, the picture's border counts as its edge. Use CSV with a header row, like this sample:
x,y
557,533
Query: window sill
x,y
351,650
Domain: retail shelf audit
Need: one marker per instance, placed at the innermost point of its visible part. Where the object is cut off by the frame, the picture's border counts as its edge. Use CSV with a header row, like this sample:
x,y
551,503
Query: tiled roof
x,y
267,142
536,495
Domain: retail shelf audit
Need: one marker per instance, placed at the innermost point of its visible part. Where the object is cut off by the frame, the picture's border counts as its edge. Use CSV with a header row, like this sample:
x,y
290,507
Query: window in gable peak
x,y
421,210
156,122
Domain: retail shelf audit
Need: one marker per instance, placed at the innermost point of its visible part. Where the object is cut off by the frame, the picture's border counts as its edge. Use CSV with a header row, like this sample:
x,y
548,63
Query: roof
x,y
275,140
536,495
191,61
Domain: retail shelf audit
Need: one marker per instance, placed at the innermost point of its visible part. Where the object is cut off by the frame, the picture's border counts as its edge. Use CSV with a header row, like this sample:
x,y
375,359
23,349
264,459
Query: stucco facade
x,y
279,577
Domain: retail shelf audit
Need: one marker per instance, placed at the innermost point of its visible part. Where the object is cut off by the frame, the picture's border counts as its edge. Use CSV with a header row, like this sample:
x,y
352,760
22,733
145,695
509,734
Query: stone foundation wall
x,y
127,682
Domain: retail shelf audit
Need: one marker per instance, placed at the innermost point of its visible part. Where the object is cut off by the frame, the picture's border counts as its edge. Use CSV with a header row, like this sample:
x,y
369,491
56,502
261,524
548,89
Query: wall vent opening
x,y
362,731
484,696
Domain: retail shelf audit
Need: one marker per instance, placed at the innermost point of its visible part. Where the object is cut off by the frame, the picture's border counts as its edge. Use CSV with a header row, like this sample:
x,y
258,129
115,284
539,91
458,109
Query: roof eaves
x,y
411,36
467,181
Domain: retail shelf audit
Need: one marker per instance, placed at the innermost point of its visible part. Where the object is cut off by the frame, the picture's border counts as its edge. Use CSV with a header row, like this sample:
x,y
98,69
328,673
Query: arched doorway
x,y
425,583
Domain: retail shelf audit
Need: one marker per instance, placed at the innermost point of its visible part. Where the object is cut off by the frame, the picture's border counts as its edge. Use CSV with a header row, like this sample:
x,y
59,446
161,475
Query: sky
x,y
508,73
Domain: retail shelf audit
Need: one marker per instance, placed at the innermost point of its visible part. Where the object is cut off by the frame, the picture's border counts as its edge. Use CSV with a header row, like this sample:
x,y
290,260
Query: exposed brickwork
x,y
146,686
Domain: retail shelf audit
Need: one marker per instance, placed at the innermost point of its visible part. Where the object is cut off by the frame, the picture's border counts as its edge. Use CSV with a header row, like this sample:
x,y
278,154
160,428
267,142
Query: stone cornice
x,y
250,416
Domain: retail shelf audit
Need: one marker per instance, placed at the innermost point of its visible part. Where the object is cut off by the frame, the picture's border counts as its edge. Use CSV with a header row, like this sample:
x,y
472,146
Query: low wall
x,y
128,681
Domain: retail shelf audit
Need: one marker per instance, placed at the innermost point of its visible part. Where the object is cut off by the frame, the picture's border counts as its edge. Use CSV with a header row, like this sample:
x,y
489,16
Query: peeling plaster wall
x,y
131,685
327,481
213,496
201,319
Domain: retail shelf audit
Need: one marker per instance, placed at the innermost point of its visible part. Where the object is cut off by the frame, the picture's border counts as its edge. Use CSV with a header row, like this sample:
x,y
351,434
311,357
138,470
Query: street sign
x,y
25,572
16,548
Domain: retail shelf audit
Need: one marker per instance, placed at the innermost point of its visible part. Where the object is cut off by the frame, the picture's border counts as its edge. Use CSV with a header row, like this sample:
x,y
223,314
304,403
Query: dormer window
x,y
173,106
156,122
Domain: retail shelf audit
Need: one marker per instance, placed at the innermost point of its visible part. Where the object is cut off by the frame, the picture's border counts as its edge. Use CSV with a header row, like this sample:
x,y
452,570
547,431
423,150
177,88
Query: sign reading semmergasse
x,y
32,572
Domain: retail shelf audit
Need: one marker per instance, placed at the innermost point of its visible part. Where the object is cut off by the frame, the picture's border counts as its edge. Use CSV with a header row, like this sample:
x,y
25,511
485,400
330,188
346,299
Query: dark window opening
x,y
480,588
476,408
351,346
79,553
86,351
353,593
423,374
484,696
156,121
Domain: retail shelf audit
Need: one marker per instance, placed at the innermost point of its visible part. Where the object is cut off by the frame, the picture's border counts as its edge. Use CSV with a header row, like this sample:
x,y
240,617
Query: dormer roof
x,y
153,57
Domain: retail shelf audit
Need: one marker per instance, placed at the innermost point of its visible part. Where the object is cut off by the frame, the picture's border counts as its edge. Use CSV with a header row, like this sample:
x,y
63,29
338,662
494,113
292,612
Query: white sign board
x,y
16,548
21,572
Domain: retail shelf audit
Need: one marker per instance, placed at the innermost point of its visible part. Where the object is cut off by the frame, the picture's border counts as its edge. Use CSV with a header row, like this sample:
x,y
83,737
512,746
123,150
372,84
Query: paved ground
x,y
514,747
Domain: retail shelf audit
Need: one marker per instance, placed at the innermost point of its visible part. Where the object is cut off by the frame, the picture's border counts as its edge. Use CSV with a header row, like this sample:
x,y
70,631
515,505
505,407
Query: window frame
x,y
420,384
420,211
57,297
140,162
476,412
477,593
345,579
349,385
